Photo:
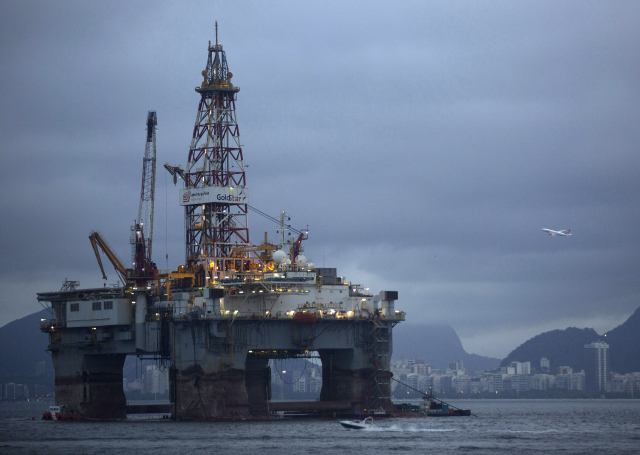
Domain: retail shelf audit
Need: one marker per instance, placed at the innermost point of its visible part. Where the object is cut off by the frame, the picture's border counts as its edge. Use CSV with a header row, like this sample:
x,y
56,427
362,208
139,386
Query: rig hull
x,y
219,365
225,374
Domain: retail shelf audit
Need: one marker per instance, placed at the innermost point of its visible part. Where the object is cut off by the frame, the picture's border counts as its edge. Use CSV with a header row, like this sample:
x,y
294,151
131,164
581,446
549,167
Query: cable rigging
x,y
275,220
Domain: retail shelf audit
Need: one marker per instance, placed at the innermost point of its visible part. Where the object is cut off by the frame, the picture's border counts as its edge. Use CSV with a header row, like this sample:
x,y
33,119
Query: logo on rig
x,y
186,196
230,198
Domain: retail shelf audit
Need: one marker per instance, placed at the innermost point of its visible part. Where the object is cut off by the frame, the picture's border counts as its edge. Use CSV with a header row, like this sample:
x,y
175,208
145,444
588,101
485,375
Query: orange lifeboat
x,y
304,318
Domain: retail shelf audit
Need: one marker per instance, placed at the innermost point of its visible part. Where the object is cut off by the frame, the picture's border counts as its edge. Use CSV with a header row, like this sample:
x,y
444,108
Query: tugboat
x,y
433,408
60,412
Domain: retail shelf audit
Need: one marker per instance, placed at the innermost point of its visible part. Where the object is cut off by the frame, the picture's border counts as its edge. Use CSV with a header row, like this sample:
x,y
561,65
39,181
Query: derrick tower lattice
x,y
215,194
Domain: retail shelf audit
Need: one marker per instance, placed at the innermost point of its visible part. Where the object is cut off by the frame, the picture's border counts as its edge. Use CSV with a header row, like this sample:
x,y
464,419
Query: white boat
x,y
358,424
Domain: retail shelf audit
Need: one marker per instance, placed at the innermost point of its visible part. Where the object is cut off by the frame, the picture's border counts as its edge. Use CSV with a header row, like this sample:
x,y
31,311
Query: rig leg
x,y
200,395
258,384
341,381
90,384
207,383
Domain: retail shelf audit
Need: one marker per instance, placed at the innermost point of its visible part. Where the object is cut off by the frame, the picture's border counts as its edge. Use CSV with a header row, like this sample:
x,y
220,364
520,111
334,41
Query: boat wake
x,y
411,429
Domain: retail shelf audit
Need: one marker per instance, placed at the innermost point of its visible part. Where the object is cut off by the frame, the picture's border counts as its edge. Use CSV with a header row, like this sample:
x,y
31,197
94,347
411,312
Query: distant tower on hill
x,y
597,365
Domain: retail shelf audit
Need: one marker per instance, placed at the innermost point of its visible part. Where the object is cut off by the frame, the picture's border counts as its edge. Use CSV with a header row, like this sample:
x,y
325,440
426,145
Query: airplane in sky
x,y
564,232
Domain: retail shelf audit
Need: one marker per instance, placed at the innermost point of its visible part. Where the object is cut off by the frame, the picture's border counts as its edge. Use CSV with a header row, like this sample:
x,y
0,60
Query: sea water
x,y
507,426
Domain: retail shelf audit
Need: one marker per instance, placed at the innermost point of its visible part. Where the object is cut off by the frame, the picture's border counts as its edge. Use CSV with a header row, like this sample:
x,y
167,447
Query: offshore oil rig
x,y
217,320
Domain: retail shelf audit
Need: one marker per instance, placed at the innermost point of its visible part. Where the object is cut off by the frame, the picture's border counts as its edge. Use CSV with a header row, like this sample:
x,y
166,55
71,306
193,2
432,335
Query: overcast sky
x,y
425,144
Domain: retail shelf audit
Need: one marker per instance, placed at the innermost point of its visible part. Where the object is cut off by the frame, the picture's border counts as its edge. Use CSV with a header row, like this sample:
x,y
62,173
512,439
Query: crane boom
x,y
147,193
97,241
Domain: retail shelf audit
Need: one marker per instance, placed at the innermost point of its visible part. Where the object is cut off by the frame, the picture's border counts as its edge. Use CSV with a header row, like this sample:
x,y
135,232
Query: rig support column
x,y
258,384
345,374
141,316
90,384
209,380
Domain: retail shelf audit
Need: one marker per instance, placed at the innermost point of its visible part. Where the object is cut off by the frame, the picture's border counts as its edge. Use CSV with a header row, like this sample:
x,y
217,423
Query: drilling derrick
x,y
215,195
142,231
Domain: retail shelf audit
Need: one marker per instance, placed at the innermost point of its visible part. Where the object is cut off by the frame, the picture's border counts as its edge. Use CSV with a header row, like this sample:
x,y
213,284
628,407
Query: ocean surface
x,y
501,426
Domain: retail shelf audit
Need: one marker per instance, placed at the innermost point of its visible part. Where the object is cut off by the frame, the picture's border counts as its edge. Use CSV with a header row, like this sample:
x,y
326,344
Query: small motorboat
x,y
358,424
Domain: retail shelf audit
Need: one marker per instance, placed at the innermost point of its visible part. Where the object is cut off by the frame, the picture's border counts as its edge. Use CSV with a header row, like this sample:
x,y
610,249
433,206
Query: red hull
x,y
68,416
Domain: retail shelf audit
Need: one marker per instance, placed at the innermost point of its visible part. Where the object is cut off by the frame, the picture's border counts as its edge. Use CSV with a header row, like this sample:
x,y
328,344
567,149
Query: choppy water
x,y
598,426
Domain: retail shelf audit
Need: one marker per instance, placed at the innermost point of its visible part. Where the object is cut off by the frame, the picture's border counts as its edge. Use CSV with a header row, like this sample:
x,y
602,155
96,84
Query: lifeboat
x,y
304,318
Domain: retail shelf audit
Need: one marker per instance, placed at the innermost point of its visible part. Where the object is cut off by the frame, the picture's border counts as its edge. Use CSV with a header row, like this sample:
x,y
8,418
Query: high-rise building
x,y
564,370
11,391
521,367
421,368
596,365
545,365
520,383
577,381
540,382
156,380
496,383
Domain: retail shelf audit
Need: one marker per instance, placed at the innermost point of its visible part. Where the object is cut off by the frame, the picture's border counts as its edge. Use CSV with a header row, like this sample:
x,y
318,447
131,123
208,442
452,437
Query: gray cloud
x,y
425,145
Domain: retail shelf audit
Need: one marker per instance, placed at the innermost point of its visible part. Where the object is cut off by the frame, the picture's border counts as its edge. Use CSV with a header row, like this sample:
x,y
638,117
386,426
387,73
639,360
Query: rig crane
x,y
142,230
97,241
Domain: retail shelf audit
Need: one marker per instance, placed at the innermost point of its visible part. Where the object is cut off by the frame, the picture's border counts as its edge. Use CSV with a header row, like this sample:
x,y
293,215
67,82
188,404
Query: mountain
x,y
624,345
436,345
23,346
561,347
566,347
